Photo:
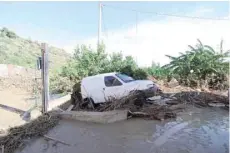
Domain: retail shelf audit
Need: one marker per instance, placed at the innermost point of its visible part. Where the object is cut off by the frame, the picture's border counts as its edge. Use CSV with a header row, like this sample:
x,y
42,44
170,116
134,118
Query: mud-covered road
x,y
22,101
196,130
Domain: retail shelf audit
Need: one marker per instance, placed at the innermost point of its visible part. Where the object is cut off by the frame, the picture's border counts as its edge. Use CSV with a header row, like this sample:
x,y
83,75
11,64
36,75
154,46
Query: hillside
x,y
24,52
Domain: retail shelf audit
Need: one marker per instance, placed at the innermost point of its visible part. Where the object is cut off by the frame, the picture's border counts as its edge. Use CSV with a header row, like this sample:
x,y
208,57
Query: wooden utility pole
x,y
229,10
99,26
45,77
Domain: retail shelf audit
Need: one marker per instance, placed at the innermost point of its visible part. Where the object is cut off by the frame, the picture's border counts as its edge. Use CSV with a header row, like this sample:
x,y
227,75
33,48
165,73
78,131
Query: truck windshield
x,y
124,77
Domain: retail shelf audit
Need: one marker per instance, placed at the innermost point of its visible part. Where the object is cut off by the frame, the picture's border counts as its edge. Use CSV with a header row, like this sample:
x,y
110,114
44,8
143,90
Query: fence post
x,y
45,77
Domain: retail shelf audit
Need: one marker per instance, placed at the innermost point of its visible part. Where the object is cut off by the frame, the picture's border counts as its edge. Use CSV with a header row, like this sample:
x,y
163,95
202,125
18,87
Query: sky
x,y
144,35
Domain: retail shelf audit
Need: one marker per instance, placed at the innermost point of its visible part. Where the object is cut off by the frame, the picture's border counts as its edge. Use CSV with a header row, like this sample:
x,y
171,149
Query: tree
x,y
87,62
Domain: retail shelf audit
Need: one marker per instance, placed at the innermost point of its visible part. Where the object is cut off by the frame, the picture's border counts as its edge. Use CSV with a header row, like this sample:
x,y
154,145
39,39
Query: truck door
x,y
113,87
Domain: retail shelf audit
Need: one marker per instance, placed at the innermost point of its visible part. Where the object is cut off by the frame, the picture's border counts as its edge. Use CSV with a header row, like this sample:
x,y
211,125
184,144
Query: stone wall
x,y
18,77
7,71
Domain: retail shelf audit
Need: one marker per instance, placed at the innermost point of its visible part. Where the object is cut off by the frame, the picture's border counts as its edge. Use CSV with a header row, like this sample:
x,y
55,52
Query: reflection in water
x,y
169,133
206,132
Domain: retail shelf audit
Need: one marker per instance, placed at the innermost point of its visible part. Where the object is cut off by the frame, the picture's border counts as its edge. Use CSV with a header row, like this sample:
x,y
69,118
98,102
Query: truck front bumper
x,y
153,91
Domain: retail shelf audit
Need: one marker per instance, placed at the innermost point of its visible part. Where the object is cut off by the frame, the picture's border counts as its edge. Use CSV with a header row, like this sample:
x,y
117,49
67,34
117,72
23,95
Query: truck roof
x,y
100,75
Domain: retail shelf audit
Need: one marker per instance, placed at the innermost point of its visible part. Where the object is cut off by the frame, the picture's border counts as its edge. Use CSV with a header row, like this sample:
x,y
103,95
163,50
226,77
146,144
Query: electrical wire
x,y
163,14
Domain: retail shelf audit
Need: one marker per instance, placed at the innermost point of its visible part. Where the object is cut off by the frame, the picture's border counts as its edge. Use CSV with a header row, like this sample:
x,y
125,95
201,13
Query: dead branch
x,y
56,140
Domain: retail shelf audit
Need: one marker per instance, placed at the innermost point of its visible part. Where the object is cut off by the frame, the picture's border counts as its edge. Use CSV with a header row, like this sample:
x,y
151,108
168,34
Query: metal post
x,y
99,25
45,77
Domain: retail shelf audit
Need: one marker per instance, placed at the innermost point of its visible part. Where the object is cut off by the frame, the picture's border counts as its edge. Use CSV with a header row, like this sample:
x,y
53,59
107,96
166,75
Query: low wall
x,y
58,102
96,117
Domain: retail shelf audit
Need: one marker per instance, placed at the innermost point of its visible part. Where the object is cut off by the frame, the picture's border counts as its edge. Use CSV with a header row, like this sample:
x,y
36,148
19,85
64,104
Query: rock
x,y
173,83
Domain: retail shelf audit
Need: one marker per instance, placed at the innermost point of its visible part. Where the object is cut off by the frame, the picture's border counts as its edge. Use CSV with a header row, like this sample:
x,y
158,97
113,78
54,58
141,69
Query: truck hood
x,y
146,82
143,84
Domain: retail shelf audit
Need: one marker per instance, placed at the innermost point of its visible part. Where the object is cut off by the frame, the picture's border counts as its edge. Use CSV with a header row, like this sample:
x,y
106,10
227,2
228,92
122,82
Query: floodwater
x,y
196,130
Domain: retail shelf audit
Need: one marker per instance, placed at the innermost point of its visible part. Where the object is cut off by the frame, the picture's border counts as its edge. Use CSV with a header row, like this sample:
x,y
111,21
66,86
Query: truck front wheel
x,y
139,98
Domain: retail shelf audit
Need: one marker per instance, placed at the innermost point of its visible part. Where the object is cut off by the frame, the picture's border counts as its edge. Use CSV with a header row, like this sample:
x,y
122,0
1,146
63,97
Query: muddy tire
x,y
139,98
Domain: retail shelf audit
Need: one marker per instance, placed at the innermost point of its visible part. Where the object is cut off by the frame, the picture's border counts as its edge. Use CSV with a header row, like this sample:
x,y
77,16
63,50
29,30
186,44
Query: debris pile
x,y
200,99
135,103
167,105
16,138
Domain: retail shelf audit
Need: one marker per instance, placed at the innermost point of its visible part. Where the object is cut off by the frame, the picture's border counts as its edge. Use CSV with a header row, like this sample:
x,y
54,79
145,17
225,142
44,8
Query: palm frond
x,y
191,48
209,48
200,43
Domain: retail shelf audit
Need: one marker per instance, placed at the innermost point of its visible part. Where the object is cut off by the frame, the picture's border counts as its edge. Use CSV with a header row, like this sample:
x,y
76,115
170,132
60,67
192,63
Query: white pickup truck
x,y
100,87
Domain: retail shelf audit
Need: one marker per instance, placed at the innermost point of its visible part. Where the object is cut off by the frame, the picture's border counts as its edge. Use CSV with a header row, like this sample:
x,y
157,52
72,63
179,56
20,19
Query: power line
x,y
163,14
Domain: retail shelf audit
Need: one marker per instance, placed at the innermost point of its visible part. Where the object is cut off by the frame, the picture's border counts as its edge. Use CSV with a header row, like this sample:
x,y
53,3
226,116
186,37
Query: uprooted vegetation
x,y
164,106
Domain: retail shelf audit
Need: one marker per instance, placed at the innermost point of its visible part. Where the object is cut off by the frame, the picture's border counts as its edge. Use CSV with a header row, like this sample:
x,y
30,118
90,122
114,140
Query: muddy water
x,y
196,130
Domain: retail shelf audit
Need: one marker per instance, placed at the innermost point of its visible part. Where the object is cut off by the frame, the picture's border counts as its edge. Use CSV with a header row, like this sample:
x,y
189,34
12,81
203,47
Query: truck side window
x,y
111,81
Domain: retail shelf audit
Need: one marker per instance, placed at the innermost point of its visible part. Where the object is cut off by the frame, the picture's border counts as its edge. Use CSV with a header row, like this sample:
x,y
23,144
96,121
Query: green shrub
x,y
140,74
6,32
201,64
87,62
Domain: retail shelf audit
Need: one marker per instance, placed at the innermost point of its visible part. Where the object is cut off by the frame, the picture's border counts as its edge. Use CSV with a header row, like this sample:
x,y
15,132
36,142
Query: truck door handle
x,y
103,88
